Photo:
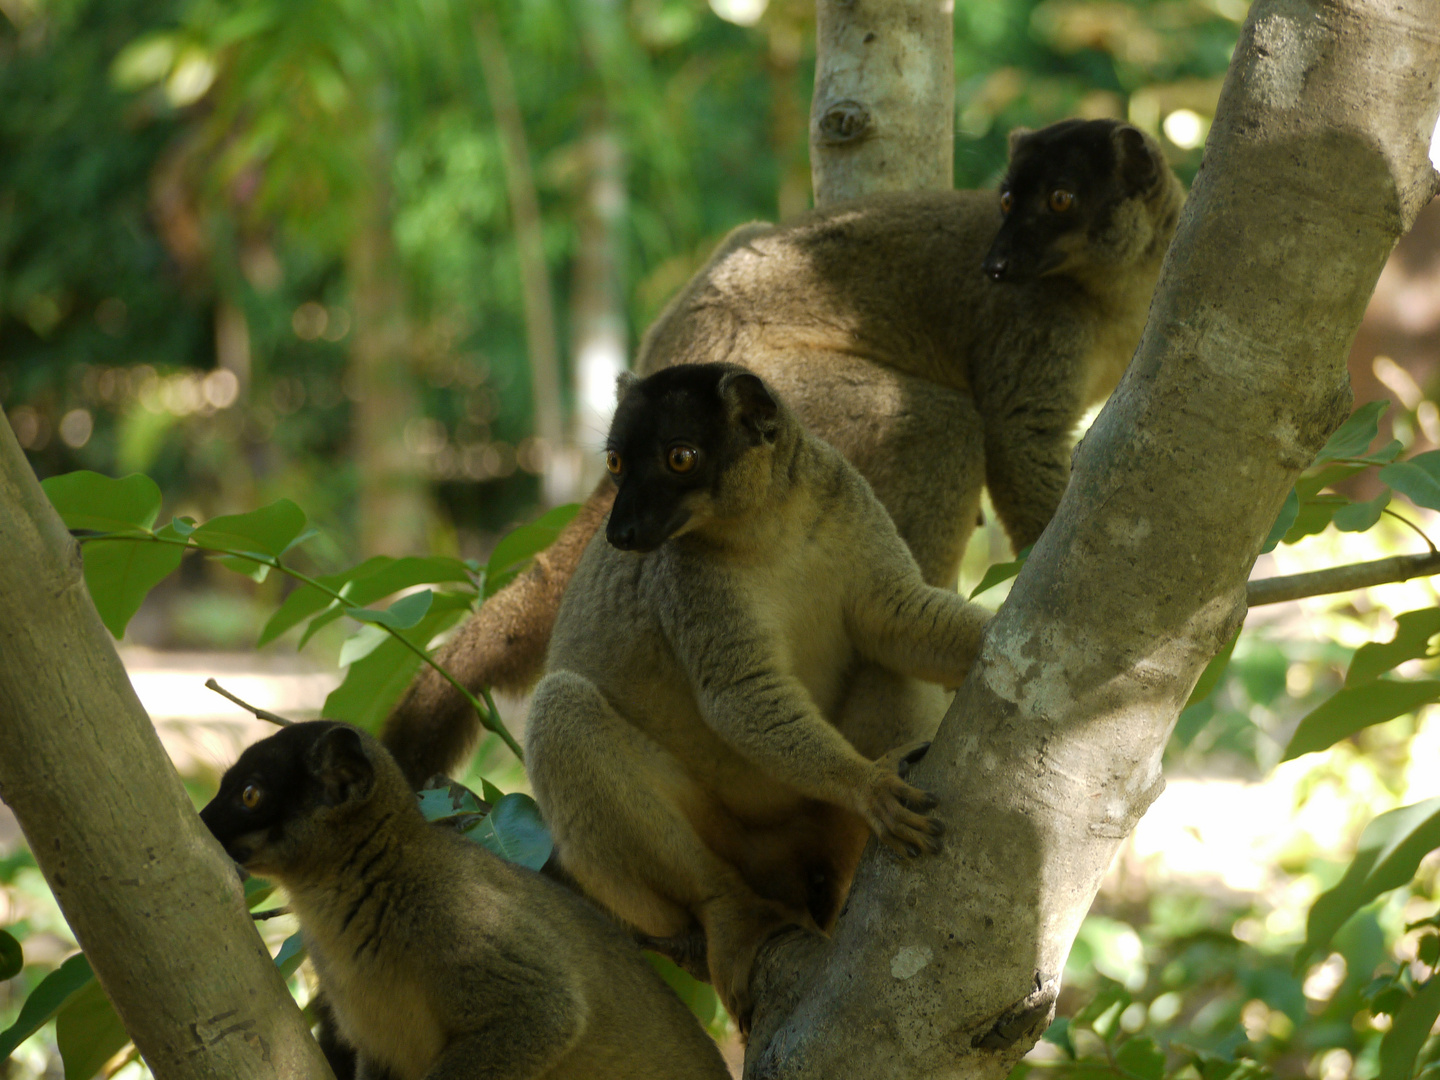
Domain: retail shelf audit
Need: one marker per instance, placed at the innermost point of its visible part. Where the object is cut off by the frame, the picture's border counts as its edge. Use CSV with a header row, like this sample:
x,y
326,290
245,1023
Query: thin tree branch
x,y
260,714
1336,579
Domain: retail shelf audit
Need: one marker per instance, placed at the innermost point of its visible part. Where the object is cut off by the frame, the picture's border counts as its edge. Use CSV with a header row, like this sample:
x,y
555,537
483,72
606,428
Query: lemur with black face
x,y
941,341
438,959
687,745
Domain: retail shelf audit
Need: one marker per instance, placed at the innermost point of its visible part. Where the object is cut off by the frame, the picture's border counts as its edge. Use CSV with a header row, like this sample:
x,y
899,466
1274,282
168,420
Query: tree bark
x,y
1315,164
149,894
882,118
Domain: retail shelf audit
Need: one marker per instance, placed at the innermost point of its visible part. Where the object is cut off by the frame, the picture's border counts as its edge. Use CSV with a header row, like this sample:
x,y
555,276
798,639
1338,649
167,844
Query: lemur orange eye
x,y
250,797
682,459
1007,202
1061,200
612,462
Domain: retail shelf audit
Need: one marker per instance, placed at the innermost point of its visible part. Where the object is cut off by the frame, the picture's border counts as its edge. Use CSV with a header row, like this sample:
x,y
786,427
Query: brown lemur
x,y
942,341
439,960
689,744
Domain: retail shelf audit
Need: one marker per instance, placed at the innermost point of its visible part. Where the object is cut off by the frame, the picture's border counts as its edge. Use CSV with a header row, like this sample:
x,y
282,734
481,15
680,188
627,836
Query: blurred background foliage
x,y
385,259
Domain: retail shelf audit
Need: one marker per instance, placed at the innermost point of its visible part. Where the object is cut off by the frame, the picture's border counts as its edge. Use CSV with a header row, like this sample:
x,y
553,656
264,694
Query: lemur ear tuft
x,y
749,402
623,384
339,762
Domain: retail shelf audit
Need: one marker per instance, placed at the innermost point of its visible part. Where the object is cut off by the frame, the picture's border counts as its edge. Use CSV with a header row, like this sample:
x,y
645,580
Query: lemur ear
x,y
1017,136
749,402
1137,165
339,762
623,383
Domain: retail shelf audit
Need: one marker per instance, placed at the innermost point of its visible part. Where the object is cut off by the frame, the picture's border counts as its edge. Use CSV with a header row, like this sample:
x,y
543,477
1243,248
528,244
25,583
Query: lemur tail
x,y
502,646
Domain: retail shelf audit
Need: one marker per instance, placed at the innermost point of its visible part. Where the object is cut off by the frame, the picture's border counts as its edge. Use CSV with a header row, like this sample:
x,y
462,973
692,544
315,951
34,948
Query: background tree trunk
x,y
883,114
1316,163
152,899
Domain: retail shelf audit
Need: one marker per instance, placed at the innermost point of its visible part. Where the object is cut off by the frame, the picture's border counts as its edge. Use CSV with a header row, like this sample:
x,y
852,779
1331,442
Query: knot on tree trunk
x,y
1021,1019
844,122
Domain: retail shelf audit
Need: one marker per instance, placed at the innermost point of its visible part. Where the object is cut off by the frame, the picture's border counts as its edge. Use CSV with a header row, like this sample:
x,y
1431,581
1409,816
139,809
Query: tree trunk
x,y
150,896
393,496
1316,163
882,118
540,336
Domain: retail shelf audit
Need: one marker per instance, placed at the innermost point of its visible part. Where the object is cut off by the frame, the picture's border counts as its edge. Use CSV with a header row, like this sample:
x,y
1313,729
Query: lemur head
x,y
285,795
689,444
1082,195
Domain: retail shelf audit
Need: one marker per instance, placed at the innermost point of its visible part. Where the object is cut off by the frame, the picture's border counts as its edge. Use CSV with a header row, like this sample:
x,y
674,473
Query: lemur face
x,y
1070,196
676,436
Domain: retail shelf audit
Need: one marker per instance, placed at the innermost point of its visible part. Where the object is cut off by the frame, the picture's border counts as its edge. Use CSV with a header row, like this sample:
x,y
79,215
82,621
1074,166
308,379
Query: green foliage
x,y
1388,855
12,957
1000,572
1355,708
54,993
514,552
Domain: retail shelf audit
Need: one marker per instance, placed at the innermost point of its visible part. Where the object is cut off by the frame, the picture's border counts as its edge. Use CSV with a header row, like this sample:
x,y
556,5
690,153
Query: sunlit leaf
x,y
1413,631
1418,479
88,1032
699,997
290,954
1401,1045
374,684
514,831
401,615
1357,517
1288,512
87,500
522,544
121,573
1313,516
268,531
1210,677
999,572
378,578
1058,1034
1389,852
1353,438
1358,707
54,991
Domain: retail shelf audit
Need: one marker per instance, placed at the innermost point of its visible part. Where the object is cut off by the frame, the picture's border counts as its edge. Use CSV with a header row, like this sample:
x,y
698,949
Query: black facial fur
x,y
296,769
718,410
1101,163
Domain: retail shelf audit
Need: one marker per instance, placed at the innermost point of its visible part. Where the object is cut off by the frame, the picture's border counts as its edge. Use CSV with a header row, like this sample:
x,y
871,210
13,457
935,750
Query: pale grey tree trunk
x,y
149,894
882,118
1316,163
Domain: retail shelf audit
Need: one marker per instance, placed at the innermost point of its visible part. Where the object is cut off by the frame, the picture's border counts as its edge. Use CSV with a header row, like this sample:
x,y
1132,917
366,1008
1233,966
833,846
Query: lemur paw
x,y
898,813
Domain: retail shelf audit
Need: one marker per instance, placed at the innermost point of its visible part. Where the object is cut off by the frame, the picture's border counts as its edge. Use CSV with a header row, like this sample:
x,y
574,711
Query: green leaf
x,y
121,573
699,997
1427,950
437,803
87,500
1353,438
1210,677
1313,516
1418,479
1401,1045
401,615
1357,517
514,831
362,643
1058,1034
268,531
375,579
255,571
290,954
88,1032
1142,1058
999,572
12,957
1288,512
54,991
1413,631
1309,485
374,684
1390,849
1358,707
1112,996
522,544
